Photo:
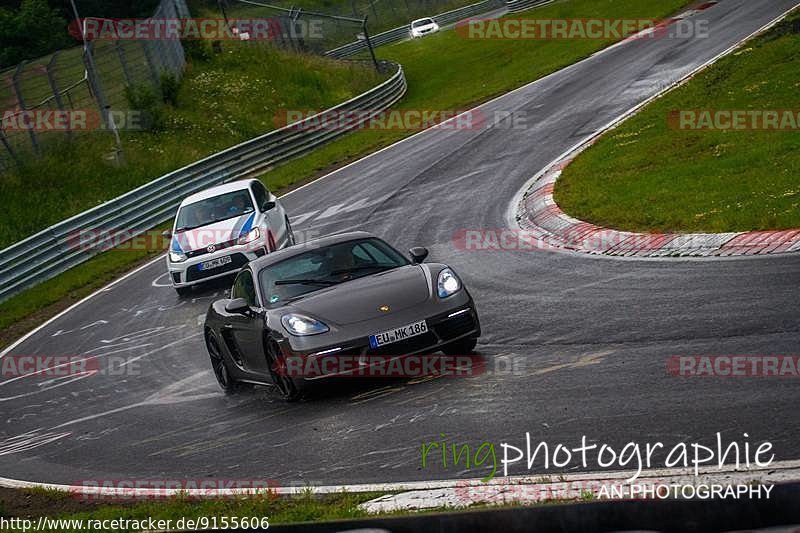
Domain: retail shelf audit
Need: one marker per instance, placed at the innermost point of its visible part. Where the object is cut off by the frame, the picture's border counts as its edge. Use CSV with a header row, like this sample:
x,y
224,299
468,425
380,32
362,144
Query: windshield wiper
x,y
305,282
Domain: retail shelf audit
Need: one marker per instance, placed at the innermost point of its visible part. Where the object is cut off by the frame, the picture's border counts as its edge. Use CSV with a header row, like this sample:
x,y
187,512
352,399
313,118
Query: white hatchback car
x,y
219,230
422,27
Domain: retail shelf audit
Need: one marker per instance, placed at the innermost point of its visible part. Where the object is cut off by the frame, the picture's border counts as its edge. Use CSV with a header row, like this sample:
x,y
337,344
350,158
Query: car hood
x,y
216,233
361,299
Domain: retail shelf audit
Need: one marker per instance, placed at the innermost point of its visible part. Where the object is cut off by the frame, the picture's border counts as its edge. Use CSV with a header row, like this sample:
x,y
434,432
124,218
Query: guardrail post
x,y
21,104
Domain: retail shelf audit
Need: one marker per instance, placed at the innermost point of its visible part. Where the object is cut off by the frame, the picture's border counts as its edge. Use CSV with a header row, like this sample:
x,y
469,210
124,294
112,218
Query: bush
x,y
169,88
148,101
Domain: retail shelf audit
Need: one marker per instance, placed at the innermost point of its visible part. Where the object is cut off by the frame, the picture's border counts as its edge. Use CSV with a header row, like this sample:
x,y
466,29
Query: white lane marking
x,y
511,212
28,441
157,284
151,352
83,328
424,485
49,321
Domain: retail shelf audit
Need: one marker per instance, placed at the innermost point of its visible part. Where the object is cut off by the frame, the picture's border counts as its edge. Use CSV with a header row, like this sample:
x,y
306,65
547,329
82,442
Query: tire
x,y
464,346
290,240
284,384
183,292
220,366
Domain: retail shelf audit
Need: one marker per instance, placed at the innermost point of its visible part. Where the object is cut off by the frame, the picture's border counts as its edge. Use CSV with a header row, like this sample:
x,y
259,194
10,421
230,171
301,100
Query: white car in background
x,y
422,27
219,230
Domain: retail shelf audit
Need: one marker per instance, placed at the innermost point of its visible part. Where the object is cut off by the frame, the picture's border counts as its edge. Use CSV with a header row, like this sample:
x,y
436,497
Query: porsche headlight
x,y
250,236
176,257
448,283
303,325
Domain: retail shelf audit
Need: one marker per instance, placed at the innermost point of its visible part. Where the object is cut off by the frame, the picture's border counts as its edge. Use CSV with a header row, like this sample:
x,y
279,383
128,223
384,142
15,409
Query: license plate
x,y
398,334
214,263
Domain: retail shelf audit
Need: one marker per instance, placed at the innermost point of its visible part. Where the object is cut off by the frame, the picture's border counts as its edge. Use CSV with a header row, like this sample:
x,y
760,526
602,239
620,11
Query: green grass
x,y
648,176
230,98
448,72
444,72
304,507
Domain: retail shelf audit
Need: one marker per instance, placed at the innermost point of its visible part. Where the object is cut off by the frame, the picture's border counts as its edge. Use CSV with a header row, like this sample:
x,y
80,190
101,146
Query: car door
x,y
244,334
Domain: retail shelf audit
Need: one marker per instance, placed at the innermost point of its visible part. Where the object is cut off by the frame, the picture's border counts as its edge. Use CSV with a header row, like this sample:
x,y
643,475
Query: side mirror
x,y
418,254
238,306
267,206
167,234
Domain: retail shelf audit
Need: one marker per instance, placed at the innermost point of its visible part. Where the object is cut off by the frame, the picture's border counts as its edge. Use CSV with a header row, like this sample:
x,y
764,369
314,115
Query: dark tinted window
x,y
331,265
260,194
243,287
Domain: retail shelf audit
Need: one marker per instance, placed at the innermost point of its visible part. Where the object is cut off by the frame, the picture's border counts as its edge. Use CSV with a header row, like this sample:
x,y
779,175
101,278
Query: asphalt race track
x,y
574,345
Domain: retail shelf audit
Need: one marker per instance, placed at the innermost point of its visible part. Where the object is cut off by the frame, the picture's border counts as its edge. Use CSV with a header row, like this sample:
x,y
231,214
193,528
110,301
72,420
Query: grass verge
x,y
650,175
305,507
445,72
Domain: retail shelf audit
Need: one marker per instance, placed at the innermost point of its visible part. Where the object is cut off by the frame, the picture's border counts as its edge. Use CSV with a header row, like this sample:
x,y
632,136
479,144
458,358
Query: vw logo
x,y
211,248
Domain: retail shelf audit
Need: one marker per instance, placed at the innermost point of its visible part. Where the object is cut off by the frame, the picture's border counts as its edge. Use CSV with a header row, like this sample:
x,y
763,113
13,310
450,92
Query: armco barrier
x,y
398,34
53,251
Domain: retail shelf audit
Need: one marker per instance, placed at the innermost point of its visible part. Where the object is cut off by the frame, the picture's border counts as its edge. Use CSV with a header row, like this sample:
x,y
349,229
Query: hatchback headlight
x,y
448,283
177,257
250,236
303,325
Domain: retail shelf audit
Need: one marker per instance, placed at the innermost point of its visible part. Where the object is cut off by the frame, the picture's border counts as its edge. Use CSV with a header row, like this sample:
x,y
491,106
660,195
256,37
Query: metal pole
x,y
94,82
369,44
54,87
150,63
121,55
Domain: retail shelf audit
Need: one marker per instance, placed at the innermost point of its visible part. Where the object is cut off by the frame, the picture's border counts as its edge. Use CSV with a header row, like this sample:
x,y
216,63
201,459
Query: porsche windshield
x,y
210,210
326,266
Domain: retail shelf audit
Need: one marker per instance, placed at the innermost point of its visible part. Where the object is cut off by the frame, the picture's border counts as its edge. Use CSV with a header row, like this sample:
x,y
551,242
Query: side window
x,y
376,255
243,287
260,194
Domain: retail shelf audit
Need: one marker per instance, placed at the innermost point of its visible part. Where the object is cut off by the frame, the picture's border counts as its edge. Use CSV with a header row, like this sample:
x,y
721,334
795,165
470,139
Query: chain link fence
x,y
51,99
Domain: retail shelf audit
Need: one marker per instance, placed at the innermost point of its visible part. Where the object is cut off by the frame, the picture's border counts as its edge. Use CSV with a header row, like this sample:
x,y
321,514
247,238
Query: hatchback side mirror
x,y
267,206
167,234
238,306
418,254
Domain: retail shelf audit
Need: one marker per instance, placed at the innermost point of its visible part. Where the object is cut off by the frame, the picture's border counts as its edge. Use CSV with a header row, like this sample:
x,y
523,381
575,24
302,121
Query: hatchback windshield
x,y
421,22
214,209
311,271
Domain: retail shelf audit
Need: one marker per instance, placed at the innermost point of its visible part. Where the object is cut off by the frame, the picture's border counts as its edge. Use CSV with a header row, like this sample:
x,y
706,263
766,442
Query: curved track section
x,y
574,345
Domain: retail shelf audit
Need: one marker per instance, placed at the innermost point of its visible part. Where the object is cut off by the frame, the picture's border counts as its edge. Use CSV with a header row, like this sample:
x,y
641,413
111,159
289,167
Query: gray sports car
x,y
348,297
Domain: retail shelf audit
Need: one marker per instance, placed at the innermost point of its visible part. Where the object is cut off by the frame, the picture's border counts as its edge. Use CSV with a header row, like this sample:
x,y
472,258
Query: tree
x,y
34,30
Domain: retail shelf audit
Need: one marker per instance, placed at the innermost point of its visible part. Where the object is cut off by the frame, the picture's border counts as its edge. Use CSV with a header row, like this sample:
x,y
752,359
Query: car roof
x,y
423,19
216,191
312,244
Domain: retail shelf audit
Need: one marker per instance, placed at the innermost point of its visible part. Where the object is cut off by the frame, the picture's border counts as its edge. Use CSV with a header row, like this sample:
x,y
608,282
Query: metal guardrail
x,y
58,248
515,6
400,33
